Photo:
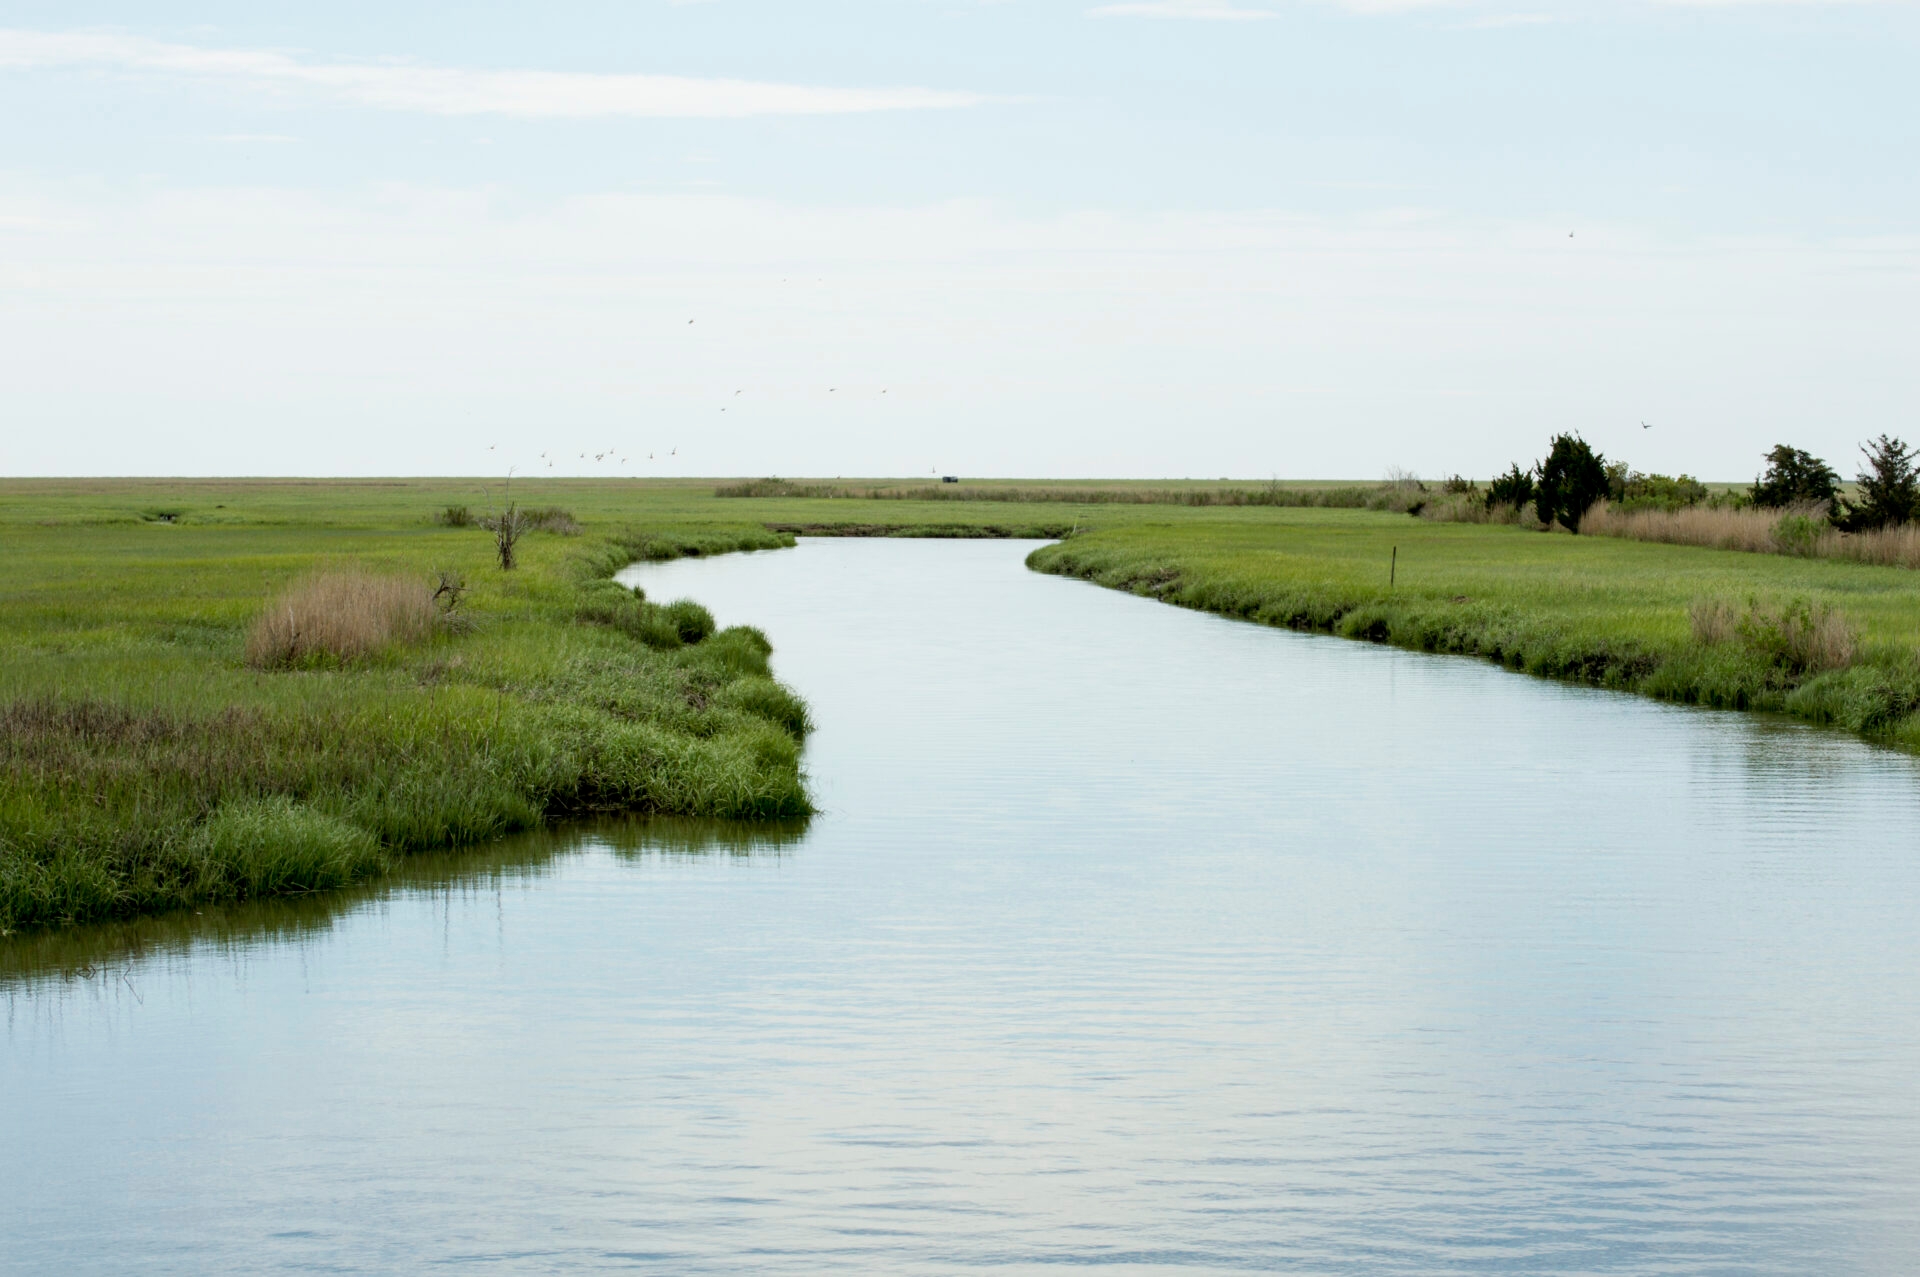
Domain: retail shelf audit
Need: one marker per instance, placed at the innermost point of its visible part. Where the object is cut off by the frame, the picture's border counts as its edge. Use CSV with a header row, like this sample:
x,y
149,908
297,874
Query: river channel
x,y
1127,936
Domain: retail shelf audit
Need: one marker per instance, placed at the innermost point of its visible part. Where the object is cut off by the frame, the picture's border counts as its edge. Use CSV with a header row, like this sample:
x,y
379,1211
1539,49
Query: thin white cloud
x,y
405,86
1192,10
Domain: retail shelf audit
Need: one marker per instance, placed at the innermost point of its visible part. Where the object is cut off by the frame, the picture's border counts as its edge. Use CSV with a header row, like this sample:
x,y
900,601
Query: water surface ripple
x,y
1128,937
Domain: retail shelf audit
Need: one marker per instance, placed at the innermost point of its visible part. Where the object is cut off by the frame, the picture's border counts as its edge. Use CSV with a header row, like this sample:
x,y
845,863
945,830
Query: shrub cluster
x,y
1796,637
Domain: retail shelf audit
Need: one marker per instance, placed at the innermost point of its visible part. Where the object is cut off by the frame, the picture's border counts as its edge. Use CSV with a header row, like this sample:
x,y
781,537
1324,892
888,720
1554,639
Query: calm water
x,y
1129,936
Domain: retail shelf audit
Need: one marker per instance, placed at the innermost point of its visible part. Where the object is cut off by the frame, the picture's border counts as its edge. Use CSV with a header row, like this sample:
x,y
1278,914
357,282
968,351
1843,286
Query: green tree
x,y
1889,487
1572,478
1793,477
1514,488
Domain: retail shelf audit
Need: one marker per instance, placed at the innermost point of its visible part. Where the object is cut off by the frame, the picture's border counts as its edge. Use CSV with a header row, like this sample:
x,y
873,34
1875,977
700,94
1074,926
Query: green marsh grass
x,y
1834,642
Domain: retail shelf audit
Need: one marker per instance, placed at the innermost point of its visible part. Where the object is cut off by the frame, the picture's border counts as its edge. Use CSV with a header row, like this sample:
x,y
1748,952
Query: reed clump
x,y
339,617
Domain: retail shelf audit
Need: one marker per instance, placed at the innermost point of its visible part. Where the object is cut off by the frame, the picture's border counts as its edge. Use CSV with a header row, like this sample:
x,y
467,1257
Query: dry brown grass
x,y
1891,547
1751,530
1801,532
340,616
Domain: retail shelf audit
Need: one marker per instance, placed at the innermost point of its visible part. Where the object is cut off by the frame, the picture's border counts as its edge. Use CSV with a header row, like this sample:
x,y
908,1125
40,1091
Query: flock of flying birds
x,y
601,457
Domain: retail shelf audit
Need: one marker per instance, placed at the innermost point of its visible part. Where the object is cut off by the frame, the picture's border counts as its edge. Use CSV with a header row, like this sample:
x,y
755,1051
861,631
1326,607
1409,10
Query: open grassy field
x,y
146,765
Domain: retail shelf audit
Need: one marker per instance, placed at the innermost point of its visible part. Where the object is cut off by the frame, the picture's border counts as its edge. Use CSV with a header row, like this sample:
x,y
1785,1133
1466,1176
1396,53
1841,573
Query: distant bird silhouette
x,y
689,321
674,453
1645,426
736,392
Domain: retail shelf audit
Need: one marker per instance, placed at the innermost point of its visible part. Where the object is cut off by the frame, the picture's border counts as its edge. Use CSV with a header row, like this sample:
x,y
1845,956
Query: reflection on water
x,y
1127,936
111,952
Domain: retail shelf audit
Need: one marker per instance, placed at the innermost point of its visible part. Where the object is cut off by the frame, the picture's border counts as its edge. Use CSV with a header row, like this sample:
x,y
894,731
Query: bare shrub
x,y
1799,636
340,616
507,527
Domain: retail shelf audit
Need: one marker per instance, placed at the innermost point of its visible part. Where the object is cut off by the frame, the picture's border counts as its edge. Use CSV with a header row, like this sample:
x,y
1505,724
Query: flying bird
x,y
1645,426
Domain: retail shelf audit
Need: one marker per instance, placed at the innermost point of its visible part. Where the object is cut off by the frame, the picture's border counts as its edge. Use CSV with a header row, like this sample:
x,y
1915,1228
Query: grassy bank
x,y
146,765
1830,642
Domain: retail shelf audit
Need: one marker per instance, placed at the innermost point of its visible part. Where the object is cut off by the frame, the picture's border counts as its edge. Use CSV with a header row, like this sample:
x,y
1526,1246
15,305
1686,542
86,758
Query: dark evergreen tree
x,y
1514,488
1793,477
1572,478
1889,488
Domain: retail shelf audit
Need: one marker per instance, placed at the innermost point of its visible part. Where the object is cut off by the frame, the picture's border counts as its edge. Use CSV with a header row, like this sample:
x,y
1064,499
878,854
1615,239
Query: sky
x,y
1164,238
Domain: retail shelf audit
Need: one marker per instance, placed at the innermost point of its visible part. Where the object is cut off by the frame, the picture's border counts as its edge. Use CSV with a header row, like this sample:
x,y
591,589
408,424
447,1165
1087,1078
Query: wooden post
x,y
1393,567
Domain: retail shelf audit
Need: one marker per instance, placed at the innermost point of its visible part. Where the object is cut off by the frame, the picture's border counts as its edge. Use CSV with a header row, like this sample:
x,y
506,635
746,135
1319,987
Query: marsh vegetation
x,y
247,709
340,674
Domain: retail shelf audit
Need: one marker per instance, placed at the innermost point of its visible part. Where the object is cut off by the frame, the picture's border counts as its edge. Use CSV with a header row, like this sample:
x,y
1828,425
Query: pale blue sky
x,y
1184,237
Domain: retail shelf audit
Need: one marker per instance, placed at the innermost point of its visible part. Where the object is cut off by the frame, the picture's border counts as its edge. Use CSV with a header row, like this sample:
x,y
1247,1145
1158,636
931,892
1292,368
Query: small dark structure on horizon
x,y
949,478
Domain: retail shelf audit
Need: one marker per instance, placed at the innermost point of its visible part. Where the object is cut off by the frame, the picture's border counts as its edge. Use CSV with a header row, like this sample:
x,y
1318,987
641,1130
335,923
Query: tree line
x,y
1573,478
